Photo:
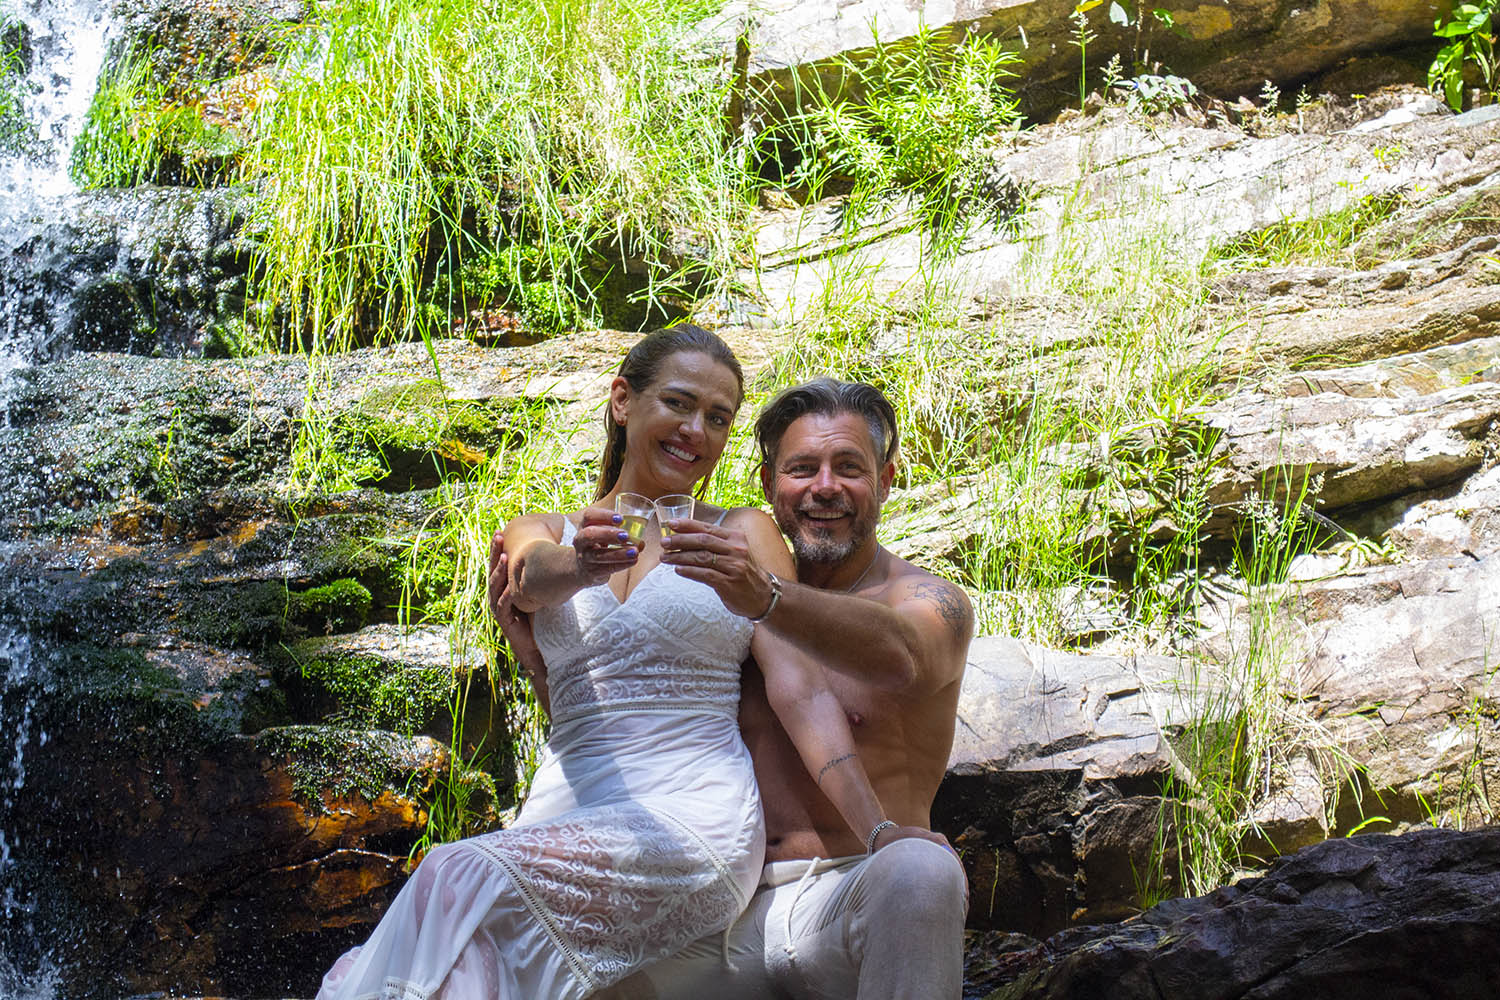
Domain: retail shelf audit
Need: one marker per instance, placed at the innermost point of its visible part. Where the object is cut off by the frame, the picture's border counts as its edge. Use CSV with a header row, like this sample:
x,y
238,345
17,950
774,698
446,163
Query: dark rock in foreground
x,y
1370,917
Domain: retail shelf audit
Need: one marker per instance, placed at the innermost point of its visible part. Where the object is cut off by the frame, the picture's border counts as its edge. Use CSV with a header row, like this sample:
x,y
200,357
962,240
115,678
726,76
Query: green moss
x,y
332,763
340,606
369,691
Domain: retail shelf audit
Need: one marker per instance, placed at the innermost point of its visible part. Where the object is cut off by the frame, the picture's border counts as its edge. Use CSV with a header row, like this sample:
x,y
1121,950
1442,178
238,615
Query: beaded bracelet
x,y
880,828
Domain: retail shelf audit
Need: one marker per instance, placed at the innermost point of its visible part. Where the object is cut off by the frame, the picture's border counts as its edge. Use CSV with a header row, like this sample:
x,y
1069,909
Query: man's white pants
x,y
887,927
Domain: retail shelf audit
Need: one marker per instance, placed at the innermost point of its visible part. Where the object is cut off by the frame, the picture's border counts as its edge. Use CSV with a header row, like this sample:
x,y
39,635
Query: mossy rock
x,y
327,763
156,698
412,434
389,677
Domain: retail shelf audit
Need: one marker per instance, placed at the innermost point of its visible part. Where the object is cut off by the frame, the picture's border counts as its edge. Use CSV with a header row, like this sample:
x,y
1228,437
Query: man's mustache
x,y
840,508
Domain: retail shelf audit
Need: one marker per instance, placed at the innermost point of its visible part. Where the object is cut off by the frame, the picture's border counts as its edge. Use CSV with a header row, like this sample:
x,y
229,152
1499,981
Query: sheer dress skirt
x,y
642,833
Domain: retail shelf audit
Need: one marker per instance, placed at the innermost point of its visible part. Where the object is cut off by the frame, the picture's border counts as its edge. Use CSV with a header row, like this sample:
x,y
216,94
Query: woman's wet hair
x,y
828,397
641,368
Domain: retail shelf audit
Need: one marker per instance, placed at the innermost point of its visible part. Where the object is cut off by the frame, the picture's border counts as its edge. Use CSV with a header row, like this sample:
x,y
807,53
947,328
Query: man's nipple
x,y
855,719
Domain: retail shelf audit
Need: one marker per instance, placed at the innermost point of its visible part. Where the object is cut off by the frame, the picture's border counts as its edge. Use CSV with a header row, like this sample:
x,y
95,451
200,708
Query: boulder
x,y
1373,916
178,835
1227,48
1344,450
1053,791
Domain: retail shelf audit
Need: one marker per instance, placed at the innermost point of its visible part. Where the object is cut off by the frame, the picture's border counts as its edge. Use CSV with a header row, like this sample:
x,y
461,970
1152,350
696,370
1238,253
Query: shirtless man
x,y
832,918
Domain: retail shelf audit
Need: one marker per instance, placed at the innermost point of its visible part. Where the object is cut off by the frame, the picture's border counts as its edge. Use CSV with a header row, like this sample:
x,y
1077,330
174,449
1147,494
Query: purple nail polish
x,y
624,537
615,519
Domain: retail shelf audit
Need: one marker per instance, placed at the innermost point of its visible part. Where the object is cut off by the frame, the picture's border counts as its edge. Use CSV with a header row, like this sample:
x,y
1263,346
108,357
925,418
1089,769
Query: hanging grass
x,y
421,159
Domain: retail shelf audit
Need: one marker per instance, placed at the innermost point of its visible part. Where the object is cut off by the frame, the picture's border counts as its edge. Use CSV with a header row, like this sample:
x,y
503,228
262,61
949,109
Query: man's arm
x,y
913,637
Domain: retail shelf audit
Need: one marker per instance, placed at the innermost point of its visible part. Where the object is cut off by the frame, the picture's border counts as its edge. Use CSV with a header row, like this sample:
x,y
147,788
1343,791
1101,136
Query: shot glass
x,y
634,510
673,505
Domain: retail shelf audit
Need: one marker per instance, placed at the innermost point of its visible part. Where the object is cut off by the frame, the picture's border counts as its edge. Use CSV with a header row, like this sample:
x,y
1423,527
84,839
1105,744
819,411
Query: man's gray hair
x,y
828,397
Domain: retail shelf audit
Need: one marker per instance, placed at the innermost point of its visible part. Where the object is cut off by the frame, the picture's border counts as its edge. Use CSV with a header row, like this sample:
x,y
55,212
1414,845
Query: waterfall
x,y
27,970
65,42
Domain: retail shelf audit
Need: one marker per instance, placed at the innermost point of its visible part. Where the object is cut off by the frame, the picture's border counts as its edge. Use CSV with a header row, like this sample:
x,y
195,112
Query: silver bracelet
x,y
775,598
880,828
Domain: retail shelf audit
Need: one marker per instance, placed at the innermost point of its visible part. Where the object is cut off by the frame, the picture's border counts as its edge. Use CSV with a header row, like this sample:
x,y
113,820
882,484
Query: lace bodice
x,y
671,645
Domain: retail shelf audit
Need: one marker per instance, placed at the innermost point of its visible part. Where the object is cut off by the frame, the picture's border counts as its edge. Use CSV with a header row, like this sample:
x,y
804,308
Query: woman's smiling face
x,y
675,428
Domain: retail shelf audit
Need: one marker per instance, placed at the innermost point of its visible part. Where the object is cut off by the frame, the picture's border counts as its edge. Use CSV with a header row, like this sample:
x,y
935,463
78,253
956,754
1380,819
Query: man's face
x,y
826,486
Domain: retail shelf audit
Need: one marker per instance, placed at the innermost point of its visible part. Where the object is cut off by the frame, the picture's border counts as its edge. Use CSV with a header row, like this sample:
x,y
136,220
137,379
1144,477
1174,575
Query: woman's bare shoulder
x,y
745,518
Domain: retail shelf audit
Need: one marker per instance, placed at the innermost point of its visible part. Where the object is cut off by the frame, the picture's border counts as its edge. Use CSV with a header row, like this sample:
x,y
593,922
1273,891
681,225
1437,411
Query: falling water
x,y
27,972
66,40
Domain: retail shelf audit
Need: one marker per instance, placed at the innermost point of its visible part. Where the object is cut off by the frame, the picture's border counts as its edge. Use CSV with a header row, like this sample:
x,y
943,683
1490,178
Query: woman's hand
x,y
601,547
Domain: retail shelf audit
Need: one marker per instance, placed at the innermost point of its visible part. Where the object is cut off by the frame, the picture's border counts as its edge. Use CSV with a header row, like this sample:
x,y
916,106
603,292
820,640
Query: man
x,y
832,918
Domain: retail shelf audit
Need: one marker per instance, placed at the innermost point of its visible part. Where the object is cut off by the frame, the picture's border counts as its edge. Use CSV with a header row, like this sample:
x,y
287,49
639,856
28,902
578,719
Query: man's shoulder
x,y
911,585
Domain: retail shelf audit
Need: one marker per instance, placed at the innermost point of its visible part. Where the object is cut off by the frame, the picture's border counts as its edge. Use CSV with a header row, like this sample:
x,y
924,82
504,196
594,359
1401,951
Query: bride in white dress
x,y
642,832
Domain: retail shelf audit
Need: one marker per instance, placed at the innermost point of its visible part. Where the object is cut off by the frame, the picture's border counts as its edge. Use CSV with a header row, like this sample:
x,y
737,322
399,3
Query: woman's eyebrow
x,y
678,390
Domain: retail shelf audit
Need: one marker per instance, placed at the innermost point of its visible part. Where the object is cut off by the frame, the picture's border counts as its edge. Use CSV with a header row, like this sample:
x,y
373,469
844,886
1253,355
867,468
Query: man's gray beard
x,y
826,551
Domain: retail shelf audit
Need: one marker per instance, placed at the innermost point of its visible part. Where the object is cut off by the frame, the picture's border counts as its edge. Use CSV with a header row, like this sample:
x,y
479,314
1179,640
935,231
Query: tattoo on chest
x,y
948,601
833,763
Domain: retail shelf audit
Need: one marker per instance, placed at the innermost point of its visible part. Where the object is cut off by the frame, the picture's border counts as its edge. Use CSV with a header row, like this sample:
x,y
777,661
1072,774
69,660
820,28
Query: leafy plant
x,y
915,116
1151,94
16,131
1471,39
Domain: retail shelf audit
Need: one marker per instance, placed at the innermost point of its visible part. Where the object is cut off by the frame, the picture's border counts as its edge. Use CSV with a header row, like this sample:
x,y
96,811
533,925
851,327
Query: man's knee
x,y
919,877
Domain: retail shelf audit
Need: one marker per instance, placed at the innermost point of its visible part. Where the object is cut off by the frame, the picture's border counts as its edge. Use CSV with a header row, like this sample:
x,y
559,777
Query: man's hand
x,y
891,834
515,625
720,557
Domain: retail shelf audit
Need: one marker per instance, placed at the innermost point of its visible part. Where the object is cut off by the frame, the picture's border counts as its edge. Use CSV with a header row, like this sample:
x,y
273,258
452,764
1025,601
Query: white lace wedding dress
x,y
642,833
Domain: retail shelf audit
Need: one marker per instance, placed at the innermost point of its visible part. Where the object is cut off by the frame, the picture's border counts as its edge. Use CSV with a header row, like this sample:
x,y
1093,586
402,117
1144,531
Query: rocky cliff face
x,y
228,744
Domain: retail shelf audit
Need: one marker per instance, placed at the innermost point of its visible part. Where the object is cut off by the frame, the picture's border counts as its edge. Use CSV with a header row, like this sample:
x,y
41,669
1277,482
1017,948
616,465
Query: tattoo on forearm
x,y
833,763
949,602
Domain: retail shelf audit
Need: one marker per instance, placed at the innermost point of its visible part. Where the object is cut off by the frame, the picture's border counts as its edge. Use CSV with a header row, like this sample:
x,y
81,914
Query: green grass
x,y
16,132
917,116
135,134
501,153
1321,239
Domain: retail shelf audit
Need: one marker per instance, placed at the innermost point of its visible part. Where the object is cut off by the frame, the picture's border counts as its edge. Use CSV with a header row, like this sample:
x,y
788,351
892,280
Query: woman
x,y
642,831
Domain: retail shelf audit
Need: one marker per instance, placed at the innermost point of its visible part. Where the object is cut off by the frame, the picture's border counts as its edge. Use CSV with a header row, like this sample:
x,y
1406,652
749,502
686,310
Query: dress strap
x,y
722,514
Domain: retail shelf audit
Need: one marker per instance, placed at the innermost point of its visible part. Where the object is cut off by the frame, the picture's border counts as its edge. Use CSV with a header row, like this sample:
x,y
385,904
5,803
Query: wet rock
x,y
1399,917
144,271
195,43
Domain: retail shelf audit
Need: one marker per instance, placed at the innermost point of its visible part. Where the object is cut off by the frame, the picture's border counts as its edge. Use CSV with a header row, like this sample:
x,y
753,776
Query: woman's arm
x,y
544,573
799,694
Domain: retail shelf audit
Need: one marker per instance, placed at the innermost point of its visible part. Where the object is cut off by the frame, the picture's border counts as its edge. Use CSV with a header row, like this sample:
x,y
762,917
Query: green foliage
x,y
1322,239
1152,93
916,117
134,134
16,132
412,138
1470,39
